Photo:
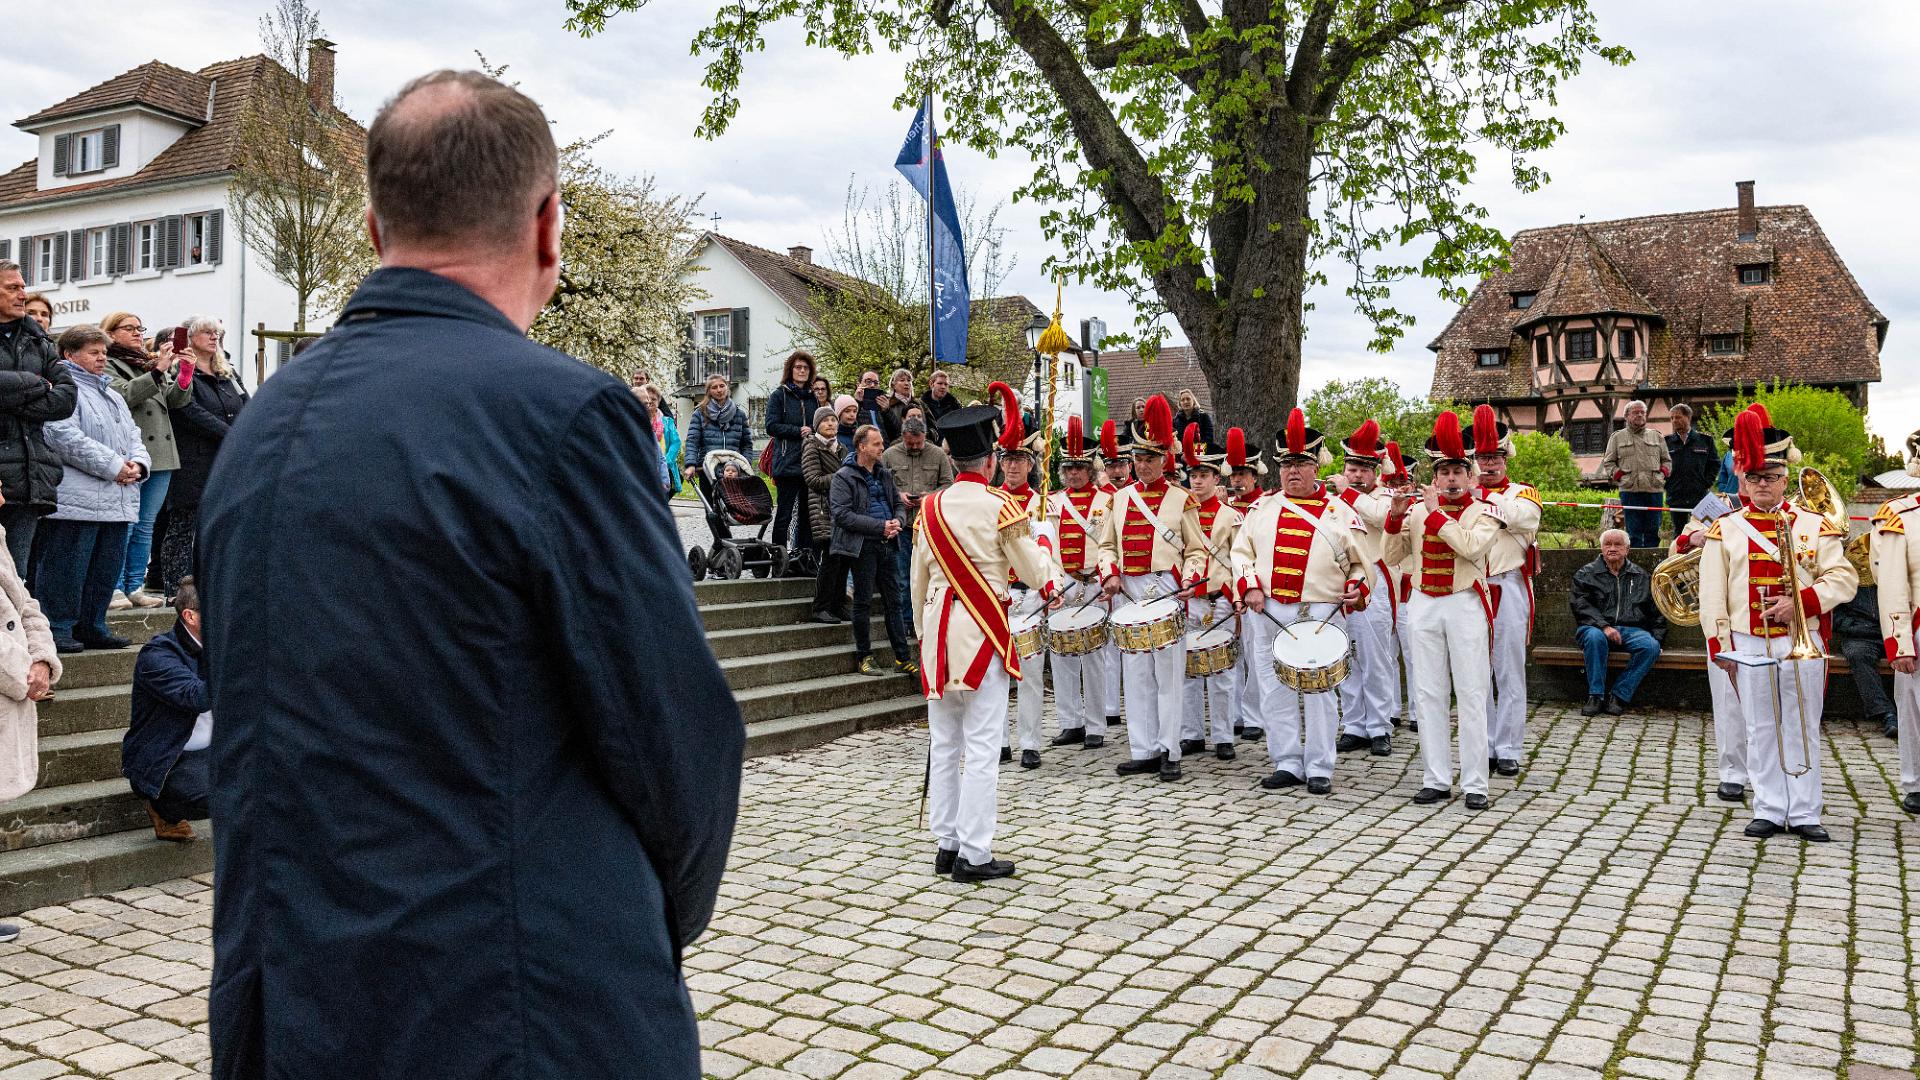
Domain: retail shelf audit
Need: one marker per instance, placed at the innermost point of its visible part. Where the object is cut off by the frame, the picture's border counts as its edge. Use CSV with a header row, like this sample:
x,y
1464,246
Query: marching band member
x,y
1077,514
972,539
1151,535
1210,701
1729,726
1510,568
1244,476
1746,611
1296,557
1374,699
1896,567
1118,470
1451,534
1018,452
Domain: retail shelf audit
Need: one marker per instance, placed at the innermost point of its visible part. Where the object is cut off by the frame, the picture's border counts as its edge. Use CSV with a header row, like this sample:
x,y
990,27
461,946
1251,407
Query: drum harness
x,y
1321,528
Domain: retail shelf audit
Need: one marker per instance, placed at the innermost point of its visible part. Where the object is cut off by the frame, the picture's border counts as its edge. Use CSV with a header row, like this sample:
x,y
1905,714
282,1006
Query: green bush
x,y
1544,461
1829,431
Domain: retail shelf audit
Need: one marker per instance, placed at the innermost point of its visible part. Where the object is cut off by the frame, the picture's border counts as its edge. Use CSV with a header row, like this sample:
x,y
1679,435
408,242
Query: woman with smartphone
x,y
150,384
213,403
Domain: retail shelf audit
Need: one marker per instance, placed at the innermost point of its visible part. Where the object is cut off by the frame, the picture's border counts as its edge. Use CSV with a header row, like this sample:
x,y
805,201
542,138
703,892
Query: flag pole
x,y
933,179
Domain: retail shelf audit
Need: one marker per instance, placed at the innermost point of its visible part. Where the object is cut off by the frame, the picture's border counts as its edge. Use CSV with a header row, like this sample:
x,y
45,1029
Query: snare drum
x,y
1211,652
1312,656
1077,631
1029,633
1148,626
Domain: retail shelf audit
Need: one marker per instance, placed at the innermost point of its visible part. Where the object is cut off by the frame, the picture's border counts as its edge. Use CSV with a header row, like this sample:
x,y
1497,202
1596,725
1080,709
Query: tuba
x,y
1676,588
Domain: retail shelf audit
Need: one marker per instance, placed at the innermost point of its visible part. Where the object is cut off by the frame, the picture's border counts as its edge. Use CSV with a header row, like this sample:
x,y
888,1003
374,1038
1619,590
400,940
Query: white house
x,y
124,207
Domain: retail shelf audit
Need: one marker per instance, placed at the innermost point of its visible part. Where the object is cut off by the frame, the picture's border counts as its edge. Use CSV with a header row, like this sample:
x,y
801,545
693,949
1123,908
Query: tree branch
x,y
1307,54
1346,55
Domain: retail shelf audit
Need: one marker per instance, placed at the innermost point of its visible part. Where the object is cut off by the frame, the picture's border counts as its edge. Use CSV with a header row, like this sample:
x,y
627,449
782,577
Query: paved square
x,y
1604,918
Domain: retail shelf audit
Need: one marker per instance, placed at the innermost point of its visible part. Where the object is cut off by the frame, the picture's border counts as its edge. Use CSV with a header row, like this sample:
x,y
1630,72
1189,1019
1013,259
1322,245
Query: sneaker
x,y
870,666
119,601
141,598
906,667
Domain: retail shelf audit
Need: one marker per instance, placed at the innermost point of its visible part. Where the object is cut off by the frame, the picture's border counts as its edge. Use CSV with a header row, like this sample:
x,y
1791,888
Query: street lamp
x,y
1037,326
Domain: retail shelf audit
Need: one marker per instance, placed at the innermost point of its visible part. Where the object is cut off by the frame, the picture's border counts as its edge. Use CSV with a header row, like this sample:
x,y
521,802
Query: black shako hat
x,y
971,431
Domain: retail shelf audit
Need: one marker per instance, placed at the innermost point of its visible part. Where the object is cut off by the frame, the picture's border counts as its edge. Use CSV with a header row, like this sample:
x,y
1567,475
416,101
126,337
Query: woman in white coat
x,y
28,669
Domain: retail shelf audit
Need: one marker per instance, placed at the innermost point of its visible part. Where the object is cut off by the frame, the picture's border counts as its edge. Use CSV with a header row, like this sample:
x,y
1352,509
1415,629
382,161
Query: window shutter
x,y
60,256
740,352
61,145
689,351
77,255
170,242
6,249
120,256
110,146
27,260
214,221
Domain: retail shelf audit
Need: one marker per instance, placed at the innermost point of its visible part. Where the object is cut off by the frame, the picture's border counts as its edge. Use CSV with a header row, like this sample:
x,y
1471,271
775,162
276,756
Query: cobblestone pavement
x,y
1604,918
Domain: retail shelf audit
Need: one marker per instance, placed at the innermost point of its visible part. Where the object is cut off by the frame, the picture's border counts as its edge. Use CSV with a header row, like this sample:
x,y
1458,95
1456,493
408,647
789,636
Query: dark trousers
x,y
176,550
875,566
791,506
830,584
1643,526
903,568
1863,660
80,565
184,796
20,522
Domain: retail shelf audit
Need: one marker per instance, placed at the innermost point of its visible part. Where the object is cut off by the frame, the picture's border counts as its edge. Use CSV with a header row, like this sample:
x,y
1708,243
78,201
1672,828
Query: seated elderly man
x,y
1613,607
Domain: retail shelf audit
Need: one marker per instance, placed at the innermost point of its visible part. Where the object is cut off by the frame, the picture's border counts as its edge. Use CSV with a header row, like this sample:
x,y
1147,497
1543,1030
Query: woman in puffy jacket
x,y
820,458
789,412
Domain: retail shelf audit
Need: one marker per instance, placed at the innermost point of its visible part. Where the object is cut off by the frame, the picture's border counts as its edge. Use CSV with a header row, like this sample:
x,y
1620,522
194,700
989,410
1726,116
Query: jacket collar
x,y
82,375
400,290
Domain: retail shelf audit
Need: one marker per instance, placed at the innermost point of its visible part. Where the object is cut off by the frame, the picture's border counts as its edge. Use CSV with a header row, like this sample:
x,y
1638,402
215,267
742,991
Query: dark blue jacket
x,y
850,503
169,692
476,767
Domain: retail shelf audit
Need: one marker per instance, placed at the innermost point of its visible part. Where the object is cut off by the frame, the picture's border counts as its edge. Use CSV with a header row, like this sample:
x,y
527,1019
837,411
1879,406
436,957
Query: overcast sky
x,y
1817,103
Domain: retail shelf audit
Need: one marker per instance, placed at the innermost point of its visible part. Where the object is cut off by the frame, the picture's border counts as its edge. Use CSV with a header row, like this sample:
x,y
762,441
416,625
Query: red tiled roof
x,y
1173,370
1811,323
154,84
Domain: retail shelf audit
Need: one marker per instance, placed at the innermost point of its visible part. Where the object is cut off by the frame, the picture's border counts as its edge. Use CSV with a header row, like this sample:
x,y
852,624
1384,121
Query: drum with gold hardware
x,y
1147,626
1211,652
1312,656
1029,633
1076,631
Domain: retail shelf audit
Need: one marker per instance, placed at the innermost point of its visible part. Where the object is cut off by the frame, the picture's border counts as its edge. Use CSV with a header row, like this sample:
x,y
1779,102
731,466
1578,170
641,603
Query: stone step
x,y
747,672
745,589
91,708
810,697
756,613
786,734
141,624
96,667
80,758
754,640
60,873
69,812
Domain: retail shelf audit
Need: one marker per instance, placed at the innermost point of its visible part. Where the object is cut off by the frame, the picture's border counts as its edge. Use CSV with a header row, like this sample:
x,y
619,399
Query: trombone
x,y
1816,494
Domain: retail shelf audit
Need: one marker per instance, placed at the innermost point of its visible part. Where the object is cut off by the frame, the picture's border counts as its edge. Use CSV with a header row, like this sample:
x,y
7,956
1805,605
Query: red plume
x,y
1187,440
1446,435
1399,463
1160,421
1014,431
1109,441
1486,430
1296,432
1236,448
1750,441
1076,438
1366,439
1766,420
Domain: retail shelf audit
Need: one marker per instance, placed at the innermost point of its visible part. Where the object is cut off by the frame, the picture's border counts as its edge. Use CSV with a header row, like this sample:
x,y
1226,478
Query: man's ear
x,y
373,231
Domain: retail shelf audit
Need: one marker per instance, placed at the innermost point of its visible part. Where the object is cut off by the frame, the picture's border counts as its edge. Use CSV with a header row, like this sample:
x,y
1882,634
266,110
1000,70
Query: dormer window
x,y
1756,274
81,152
1723,345
1522,300
1491,357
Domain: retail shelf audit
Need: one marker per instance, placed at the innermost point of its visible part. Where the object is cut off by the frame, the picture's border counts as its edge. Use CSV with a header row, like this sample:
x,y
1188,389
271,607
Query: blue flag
x,y
920,161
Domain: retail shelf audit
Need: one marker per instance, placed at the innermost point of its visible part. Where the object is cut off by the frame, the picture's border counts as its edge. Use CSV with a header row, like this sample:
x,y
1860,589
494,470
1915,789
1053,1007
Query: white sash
x,y
1066,504
1739,521
1172,538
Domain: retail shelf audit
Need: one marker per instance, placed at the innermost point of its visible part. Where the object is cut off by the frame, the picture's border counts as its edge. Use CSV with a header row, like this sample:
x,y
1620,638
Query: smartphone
x,y
180,340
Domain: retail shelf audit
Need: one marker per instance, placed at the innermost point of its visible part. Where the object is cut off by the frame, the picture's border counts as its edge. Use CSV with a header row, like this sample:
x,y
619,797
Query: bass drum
x,y
1312,656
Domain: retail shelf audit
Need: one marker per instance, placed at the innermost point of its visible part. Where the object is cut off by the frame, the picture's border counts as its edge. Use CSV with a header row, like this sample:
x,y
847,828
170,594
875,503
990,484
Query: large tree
x,y
1222,155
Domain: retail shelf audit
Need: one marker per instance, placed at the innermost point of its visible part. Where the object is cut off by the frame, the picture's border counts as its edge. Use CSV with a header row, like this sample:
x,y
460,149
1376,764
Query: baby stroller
x,y
738,499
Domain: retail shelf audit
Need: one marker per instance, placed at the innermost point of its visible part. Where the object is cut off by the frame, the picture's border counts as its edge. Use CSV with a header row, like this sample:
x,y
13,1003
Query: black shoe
x,y
63,646
1138,766
1349,741
1761,827
1413,725
1072,736
1732,793
1169,770
1506,766
1115,721
840,614
1224,751
1094,742
826,618
1615,707
1428,795
1815,833
1029,759
943,861
1280,779
1192,746
1911,804
1476,801
1382,745
1319,785
1890,727
966,872
1593,706
1006,754
1252,734
105,641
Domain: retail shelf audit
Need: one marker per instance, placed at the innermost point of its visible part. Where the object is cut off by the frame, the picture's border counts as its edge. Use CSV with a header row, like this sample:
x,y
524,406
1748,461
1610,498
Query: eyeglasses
x,y
1766,478
134,327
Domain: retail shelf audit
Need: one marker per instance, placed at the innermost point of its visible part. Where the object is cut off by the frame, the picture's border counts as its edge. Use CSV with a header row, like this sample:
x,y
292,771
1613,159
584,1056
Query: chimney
x,y
800,253
1749,220
320,74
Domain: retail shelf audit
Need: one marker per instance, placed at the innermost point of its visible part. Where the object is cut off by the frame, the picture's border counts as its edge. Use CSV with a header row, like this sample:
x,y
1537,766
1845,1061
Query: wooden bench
x,y
1670,659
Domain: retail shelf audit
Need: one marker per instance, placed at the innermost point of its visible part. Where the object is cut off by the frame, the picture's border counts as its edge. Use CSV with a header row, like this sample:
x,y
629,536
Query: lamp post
x,y
1035,327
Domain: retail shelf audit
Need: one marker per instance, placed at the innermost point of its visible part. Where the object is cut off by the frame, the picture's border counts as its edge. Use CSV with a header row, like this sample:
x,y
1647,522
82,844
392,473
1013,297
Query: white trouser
x,y
1248,689
1778,797
1374,699
1450,654
1156,681
1286,710
1729,727
1906,704
1512,620
1403,638
1208,710
1030,694
1079,685
966,726
1110,681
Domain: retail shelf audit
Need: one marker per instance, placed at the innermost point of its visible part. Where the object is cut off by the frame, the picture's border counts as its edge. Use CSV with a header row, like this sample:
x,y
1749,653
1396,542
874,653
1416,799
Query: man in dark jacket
x,y
866,526
169,696
1856,636
938,402
1613,608
35,389
477,766
717,424
1696,464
